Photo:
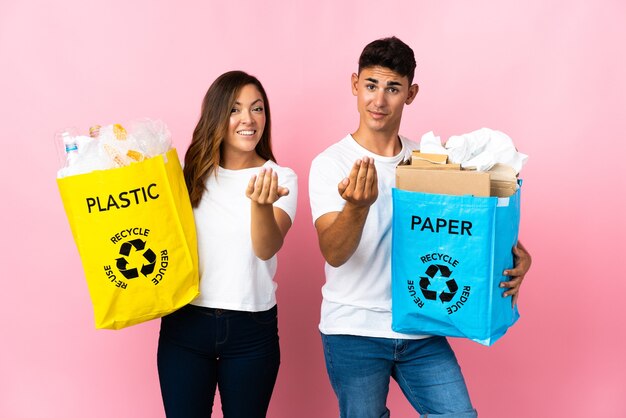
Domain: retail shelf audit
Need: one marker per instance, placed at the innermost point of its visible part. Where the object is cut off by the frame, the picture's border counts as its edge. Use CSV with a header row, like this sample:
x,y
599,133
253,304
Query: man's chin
x,y
379,125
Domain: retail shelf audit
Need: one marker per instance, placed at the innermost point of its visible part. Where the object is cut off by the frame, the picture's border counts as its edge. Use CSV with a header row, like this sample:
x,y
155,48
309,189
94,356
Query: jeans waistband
x,y
220,311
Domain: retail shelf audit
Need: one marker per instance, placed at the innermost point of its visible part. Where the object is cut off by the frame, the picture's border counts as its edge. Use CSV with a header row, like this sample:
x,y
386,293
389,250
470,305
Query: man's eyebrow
x,y
389,83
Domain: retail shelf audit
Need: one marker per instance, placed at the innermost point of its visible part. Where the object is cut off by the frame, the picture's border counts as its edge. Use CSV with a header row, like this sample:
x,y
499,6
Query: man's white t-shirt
x,y
357,294
231,275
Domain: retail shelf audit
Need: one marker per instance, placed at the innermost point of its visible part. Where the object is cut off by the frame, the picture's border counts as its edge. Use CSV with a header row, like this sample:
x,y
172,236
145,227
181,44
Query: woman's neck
x,y
236,161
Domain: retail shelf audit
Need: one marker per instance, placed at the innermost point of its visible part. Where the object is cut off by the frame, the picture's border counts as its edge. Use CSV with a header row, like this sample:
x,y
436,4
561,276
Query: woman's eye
x,y
257,109
234,110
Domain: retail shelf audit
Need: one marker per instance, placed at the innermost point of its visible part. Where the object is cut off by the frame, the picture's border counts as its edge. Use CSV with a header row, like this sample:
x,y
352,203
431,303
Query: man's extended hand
x,y
522,265
360,188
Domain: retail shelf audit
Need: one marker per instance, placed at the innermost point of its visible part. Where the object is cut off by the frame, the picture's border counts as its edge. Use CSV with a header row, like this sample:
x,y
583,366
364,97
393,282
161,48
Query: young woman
x,y
244,204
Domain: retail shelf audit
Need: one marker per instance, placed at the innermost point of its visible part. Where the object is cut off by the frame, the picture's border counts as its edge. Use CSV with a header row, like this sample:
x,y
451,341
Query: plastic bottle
x,y
67,147
71,149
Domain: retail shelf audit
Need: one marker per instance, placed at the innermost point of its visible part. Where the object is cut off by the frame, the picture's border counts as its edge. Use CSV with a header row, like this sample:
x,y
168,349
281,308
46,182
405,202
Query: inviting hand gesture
x,y
361,187
264,189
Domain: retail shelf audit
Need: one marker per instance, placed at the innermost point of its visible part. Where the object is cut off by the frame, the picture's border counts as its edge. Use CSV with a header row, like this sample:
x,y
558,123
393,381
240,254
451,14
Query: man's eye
x,y
370,87
392,90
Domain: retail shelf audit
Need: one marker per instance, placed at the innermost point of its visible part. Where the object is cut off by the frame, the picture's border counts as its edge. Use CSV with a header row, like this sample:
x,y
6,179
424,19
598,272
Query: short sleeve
x,y
287,178
324,178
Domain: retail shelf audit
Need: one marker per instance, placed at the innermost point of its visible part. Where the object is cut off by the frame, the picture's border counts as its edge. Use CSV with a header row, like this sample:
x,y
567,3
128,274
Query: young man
x,y
350,191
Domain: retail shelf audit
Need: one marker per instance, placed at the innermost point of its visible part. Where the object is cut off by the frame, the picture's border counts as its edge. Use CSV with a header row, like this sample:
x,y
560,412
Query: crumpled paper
x,y
480,149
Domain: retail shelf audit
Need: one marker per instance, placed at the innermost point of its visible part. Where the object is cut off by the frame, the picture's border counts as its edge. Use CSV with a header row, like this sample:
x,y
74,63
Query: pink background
x,y
550,74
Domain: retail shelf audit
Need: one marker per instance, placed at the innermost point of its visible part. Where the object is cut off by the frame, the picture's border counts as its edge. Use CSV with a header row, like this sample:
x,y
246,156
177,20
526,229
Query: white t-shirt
x,y
231,275
357,294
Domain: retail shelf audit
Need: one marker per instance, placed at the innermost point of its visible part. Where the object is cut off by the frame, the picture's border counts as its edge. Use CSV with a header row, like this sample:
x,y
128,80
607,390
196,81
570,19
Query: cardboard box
x,y
417,156
425,159
427,165
449,182
503,180
432,161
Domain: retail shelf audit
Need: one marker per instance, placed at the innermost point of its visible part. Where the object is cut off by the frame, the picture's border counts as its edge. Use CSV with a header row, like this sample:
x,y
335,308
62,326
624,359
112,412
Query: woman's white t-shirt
x,y
231,275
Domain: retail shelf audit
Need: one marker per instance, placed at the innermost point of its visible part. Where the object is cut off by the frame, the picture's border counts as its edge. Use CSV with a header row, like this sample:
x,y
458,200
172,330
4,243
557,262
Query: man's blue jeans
x,y
426,370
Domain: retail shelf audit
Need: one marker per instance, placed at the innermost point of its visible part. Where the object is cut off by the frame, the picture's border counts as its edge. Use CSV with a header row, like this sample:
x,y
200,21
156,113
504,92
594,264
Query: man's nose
x,y
379,98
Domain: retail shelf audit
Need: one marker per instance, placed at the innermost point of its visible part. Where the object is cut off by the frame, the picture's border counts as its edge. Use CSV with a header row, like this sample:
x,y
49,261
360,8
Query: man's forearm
x,y
341,238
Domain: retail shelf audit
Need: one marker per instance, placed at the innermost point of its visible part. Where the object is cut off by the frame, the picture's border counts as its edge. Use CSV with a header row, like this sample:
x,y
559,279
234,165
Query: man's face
x,y
381,95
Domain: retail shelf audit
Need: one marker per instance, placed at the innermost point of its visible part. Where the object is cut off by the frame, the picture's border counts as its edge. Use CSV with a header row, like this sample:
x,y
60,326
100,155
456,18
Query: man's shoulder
x,y
335,161
409,144
338,150
337,147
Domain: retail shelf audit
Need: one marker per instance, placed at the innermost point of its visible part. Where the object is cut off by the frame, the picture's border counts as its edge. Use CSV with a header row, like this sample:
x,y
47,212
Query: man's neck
x,y
384,144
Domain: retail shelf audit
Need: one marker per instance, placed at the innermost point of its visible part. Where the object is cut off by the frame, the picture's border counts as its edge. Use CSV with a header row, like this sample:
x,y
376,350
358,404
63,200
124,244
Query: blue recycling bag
x,y
448,255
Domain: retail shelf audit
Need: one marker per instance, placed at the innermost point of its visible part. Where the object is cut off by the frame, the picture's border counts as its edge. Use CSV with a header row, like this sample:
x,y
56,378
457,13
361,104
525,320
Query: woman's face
x,y
247,121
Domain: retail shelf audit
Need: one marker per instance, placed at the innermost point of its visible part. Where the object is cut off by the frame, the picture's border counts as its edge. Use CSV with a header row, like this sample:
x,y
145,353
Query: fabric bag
x,y
448,255
136,236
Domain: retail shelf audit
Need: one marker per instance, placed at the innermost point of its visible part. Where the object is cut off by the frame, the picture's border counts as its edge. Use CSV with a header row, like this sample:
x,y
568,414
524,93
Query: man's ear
x,y
413,89
354,81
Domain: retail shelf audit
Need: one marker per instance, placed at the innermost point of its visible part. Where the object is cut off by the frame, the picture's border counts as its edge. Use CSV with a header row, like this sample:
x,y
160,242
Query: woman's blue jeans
x,y
426,370
201,348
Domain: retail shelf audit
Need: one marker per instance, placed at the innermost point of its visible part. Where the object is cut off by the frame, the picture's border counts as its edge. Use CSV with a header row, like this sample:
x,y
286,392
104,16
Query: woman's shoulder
x,y
285,171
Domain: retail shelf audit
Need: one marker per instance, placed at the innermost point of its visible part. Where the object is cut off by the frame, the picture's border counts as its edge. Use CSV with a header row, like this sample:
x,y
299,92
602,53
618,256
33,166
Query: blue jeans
x,y
201,348
426,370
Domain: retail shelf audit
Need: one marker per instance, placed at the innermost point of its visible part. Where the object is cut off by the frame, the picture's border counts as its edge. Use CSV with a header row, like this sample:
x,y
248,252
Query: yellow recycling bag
x,y
136,236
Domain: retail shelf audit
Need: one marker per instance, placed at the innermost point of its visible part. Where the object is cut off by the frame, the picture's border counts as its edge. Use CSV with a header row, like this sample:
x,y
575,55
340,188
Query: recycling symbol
x,y
148,255
435,271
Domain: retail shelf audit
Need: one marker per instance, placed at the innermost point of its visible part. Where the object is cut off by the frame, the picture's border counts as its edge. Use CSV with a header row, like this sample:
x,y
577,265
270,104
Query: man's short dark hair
x,y
390,53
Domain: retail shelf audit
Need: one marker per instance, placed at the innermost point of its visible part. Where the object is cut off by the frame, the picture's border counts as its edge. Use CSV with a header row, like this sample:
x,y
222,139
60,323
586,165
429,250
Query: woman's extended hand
x,y
264,189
